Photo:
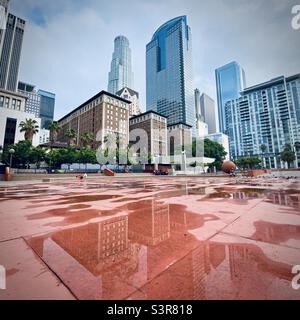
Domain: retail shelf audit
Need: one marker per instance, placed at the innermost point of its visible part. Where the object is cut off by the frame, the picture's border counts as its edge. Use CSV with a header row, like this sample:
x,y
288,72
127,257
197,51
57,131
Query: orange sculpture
x,y
228,167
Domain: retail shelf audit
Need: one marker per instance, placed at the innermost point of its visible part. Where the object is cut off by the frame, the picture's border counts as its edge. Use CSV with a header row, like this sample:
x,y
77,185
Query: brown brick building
x,y
155,125
101,115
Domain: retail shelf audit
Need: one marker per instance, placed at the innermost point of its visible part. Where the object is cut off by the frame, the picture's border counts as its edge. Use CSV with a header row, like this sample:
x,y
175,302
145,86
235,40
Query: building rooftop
x,y
180,123
17,94
93,98
271,82
168,24
145,113
131,91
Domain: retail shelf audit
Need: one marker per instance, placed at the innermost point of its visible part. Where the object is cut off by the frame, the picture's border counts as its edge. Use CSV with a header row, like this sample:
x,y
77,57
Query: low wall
x,y
258,172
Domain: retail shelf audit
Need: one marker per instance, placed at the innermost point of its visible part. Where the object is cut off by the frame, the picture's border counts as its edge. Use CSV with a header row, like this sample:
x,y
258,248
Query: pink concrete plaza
x,y
150,238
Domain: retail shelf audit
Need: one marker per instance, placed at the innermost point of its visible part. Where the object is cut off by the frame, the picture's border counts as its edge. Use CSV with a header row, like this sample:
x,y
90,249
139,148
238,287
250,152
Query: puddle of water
x,y
275,233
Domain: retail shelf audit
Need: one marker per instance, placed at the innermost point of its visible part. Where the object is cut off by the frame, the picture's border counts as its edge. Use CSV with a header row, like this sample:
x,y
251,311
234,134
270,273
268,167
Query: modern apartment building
x,y
230,81
120,74
11,52
33,99
155,127
101,115
266,114
41,103
169,72
133,96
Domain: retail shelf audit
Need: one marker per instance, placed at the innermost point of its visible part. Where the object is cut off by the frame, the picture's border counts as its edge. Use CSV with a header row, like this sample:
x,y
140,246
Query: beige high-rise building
x,y
133,96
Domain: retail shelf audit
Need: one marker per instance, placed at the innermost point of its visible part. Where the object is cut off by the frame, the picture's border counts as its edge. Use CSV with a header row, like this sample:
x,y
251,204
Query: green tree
x,y
30,128
71,134
22,155
37,155
214,150
248,163
87,156
288,155
87,139
66,156
53,158
263,148
54,128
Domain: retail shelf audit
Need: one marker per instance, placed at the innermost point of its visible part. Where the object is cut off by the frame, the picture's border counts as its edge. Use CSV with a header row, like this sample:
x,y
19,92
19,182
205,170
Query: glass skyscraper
x,y
47,105
230,81
169,73
120,74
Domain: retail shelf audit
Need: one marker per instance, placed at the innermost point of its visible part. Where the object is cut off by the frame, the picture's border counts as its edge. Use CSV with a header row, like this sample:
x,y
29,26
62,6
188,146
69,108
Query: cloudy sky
x,y
69,43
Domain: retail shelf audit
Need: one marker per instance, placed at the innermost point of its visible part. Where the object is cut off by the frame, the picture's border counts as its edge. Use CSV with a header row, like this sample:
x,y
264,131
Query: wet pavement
x,y
153,238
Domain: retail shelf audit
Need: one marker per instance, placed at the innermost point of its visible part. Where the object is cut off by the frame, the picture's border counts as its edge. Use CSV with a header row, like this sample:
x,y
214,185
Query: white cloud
x,y
71,54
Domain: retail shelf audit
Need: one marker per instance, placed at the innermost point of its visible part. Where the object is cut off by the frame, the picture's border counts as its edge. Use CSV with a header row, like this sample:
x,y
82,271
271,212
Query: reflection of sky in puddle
x,y
283,197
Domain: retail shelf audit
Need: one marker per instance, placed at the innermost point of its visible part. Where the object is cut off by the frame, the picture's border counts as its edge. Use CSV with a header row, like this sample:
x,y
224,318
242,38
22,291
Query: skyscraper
x,y
33,101
201,126
207,105
47,105
11,52
266,114
230,81
120,74
40,103
3,18
169,72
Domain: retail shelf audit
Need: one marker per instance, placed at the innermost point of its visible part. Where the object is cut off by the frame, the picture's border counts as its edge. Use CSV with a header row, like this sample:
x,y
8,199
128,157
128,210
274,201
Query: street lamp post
x,y
11,152
296,157
184,160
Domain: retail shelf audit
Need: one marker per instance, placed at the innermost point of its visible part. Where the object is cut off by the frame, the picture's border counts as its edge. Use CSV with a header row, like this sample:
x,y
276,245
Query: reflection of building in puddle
x,y
197,191
244,269
284,199
188,277
275,233
200,269
149,222
99,246
249,266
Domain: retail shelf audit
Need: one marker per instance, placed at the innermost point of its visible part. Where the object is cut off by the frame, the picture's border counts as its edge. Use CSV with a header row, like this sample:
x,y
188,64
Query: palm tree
x,y
30,128
87,139
263,148
71,134
54,128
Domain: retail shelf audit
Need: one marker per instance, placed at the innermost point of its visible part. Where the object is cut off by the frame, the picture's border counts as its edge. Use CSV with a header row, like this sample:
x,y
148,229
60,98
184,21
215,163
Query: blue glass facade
x,y
47,105
169,72
230,81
